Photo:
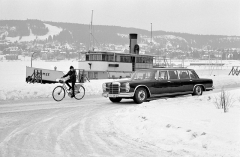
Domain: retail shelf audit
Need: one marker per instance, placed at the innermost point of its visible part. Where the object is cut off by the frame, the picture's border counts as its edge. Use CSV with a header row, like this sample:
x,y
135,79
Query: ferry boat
x,y
103,65
99,65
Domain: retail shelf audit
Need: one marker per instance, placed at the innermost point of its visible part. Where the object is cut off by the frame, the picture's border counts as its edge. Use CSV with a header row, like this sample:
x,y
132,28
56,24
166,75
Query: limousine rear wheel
x,y
115,99
140,95
198,90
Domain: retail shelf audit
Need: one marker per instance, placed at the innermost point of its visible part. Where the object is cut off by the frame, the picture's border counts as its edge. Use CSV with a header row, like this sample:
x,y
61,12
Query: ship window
x,y
95,75
110,58
125,59
87,57
104,57
95,57
144,60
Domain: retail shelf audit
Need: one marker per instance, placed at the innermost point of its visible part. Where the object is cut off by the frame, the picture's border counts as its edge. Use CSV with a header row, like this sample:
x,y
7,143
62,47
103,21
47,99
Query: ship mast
x,y
91,46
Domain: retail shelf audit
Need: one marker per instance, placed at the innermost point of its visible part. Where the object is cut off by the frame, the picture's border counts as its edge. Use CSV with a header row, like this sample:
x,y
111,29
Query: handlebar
x,y
61,80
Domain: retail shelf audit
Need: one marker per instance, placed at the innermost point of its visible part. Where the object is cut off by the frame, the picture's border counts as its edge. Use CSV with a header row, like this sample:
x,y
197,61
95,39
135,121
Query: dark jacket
x,y
72,75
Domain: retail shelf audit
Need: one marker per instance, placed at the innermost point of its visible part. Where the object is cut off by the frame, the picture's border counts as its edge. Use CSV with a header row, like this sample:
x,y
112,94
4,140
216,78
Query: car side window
x,y
193,74
183,74
173,74
162,75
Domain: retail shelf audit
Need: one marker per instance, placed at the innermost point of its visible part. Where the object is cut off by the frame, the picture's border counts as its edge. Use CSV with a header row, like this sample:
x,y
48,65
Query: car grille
x,y
114,89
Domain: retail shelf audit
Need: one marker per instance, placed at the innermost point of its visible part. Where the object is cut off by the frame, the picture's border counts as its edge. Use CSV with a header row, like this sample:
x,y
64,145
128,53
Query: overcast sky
x,y
219,17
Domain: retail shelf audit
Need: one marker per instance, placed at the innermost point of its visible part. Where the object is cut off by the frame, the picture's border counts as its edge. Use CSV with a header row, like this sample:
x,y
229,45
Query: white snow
x,y
181,126
53,30
170,37
184,125
14,87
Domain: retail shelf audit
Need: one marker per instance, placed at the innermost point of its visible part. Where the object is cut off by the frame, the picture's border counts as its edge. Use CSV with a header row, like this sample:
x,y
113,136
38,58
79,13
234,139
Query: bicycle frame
x,y
65,88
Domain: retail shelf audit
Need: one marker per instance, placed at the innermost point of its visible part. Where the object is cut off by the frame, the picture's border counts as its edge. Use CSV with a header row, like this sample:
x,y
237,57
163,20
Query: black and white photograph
x,y
119,78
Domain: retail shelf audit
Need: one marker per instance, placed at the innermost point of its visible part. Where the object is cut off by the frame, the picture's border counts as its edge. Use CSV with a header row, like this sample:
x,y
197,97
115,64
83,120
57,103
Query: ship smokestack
x,y
133,47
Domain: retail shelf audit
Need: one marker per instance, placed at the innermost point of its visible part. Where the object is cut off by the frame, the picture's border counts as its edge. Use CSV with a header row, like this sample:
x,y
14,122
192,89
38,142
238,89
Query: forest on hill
x,y
74,32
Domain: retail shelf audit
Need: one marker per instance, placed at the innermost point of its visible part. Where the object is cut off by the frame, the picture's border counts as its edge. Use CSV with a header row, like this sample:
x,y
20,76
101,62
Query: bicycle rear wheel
x,y
80,93
58,93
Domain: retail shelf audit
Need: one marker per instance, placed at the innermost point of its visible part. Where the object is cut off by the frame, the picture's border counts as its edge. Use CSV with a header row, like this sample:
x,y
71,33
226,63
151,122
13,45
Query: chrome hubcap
x,y
198,90
141,95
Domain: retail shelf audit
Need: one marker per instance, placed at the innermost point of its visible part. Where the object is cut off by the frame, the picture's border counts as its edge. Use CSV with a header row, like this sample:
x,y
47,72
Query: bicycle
x,y
59,92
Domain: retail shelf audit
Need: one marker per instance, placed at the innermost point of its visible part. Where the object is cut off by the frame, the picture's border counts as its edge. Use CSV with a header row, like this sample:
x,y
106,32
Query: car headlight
x,y
127,86
104,87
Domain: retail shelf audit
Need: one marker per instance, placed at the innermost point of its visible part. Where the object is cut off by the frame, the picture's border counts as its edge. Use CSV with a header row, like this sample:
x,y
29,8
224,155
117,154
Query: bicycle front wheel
x,y
80,93
58,93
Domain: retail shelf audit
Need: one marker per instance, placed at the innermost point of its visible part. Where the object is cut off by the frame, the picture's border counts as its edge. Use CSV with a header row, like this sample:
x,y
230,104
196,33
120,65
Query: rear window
x,y
193,74
173,74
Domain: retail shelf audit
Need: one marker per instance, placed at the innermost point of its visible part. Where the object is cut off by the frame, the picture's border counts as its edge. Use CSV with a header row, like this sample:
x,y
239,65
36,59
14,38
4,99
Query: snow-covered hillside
x,y
53,30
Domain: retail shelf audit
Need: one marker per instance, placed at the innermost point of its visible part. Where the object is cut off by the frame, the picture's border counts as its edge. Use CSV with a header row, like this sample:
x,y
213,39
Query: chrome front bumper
x,y
122,95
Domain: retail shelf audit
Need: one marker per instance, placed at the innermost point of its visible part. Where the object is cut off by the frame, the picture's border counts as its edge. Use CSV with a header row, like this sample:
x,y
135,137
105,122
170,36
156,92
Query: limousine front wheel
x,y
140,95
198,90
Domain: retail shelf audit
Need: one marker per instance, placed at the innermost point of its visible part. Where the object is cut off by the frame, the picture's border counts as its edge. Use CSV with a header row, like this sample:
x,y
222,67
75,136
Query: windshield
x,y
144,75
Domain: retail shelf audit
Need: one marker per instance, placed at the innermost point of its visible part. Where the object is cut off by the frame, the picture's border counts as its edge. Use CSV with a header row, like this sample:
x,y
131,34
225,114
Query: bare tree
x,y
224,100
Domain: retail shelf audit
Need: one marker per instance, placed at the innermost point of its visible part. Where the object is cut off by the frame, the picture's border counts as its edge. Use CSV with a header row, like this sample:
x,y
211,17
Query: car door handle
x,y
168,81
190,80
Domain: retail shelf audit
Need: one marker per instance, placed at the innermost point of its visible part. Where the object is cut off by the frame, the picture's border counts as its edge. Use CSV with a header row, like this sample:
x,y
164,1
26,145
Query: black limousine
x,y
157,82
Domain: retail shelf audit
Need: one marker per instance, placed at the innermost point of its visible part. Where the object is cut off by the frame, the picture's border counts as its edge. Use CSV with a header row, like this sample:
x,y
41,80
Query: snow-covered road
x,y
69,128
90,127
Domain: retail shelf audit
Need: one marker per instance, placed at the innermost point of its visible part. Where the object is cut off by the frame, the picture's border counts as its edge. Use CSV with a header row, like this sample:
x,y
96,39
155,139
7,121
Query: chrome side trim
x,y
167,94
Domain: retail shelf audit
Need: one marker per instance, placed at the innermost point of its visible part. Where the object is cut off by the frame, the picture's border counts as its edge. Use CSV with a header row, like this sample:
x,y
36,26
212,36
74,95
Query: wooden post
x,y
41,76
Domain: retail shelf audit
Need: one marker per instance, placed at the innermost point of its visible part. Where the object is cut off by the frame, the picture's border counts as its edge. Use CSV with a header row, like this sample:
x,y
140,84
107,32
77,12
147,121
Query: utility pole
x,y
32,58
151,34
92,32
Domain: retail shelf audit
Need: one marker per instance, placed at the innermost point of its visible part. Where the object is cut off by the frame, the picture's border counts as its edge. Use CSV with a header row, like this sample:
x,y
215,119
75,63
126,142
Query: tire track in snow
x,y
71,128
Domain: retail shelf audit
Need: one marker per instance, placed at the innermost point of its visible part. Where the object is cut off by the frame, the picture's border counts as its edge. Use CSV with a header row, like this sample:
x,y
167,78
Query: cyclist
x,y
72,75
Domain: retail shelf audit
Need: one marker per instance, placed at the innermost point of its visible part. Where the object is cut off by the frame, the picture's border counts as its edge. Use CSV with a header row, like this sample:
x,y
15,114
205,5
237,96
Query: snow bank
x,y
33,91
94,87
196,129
